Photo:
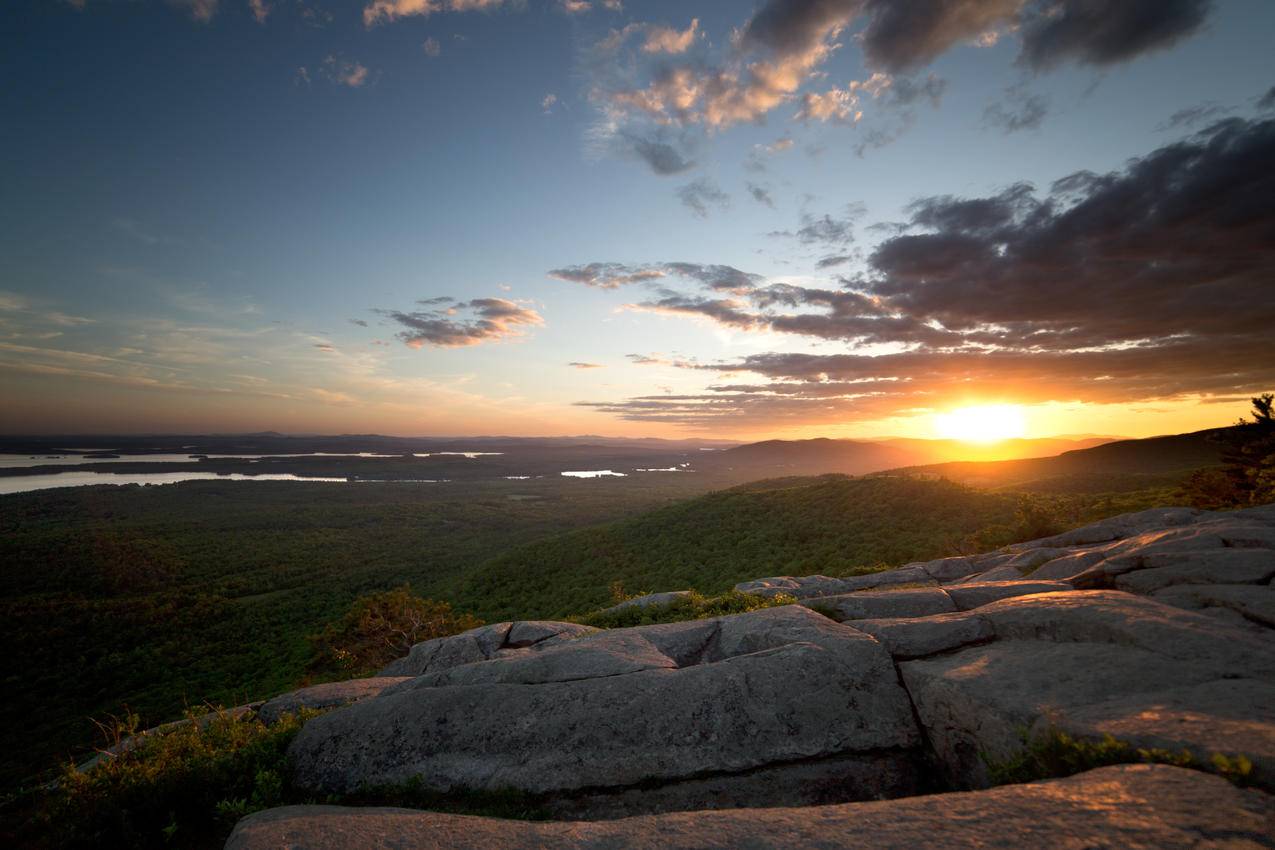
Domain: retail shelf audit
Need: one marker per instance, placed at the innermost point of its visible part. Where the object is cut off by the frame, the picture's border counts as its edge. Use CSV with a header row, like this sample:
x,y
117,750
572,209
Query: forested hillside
x,y
153,598
832,525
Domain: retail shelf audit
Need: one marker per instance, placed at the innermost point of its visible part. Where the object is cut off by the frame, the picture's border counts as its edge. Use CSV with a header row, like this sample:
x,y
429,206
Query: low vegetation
x,y
1056,754
184,787
696,606
187,785
381,627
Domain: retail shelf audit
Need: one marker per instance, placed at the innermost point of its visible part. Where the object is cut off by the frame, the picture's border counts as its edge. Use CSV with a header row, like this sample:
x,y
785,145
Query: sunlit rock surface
x,y
1155,628
775,706
1131,807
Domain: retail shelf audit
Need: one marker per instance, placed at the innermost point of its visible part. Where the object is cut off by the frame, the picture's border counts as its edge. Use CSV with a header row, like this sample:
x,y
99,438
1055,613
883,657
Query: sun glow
x,y
989,423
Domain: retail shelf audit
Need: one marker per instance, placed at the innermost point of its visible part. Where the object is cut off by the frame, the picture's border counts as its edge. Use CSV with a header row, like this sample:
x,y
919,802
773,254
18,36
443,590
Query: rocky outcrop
x,y
328,695
1155,628
778,706
648,600
1181,538
1131,807
1094,663
482,644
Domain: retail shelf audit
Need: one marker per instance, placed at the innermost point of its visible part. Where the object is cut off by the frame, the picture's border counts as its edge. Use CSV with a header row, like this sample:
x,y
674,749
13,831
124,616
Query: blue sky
x,y
205,199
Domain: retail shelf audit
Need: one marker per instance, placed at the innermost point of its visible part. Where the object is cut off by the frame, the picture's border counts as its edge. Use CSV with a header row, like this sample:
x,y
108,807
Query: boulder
x,y
1089,662
971,595
327,695
796,586
1210,566
584,723
921,636
946,569
806,587
649,600
593,657
915,575
539,632
1002,573
1131,807
1256,604
915,602
481,644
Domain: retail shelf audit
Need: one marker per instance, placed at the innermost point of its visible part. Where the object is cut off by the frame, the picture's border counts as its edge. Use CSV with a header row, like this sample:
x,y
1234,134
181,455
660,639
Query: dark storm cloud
x,y
1181,242
463,324
1267,101
1150,282
904,36
1105,32
700,195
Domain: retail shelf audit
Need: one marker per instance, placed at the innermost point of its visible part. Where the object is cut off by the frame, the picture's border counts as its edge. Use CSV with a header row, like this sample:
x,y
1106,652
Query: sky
x,y
783,218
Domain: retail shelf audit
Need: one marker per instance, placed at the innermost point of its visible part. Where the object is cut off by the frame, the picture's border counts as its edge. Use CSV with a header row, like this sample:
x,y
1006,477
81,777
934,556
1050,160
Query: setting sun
x,y
982,424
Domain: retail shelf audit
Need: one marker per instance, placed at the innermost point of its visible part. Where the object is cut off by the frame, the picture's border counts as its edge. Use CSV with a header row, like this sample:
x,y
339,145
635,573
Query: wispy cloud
x,y
703,195
457,324
386,11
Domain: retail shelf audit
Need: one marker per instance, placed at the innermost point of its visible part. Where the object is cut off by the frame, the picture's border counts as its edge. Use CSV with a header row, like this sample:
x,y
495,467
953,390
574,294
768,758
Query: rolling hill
x,y
832,525
1116,466
860,457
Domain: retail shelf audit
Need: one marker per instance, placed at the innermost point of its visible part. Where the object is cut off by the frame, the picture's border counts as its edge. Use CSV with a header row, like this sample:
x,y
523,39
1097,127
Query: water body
x,y
26,483
470,455
11,461
594,473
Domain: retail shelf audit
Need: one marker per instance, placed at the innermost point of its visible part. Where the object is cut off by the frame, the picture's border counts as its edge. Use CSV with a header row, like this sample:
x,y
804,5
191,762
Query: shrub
x,y
184,786
381,627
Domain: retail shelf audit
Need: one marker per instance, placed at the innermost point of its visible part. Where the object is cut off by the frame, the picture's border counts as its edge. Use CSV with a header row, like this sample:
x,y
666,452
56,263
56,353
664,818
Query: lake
x,y
27,483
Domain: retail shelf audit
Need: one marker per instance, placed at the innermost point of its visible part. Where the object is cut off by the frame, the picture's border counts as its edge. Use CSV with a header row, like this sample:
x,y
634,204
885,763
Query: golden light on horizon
x,y
987,423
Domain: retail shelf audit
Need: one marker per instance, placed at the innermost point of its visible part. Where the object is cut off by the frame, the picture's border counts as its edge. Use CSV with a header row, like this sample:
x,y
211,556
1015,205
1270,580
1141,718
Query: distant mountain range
x,y
1121,464
859,457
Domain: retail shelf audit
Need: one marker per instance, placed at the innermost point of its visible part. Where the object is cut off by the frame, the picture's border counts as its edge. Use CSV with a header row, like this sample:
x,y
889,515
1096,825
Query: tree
x,y
1247,476
381,627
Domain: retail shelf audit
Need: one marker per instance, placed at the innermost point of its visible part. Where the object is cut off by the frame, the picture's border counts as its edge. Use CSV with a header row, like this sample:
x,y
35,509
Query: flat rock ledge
x,y
780,706
1130,807
1170,546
